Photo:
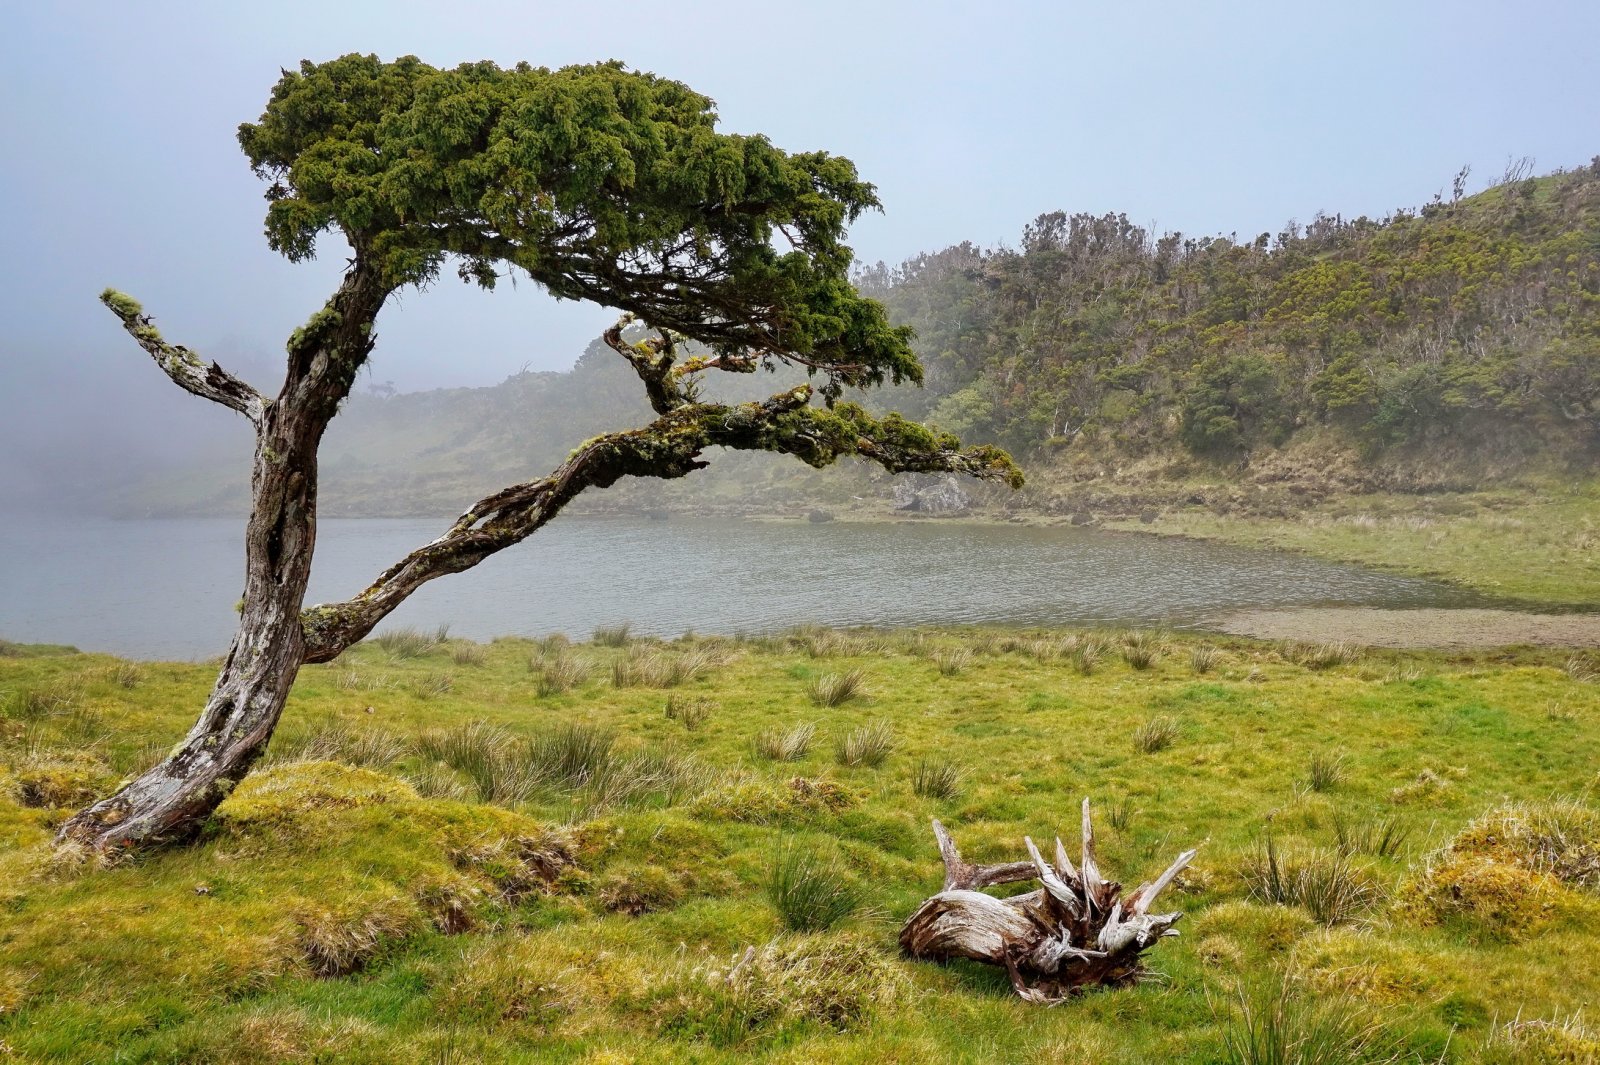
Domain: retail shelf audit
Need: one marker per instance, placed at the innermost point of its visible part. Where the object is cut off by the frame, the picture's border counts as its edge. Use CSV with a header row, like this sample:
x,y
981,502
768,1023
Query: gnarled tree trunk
x,y
172,798
1077,931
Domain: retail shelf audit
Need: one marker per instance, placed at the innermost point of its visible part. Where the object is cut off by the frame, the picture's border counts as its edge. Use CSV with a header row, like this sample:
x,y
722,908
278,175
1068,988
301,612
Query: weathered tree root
x,y
1073,933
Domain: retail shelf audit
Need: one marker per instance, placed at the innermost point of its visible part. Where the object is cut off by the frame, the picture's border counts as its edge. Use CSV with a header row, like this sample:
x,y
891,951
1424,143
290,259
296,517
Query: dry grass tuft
x,y
1156,734
836,689
867,746
1329,886
1203,658
613,635
952,663
690,713
465,653
936,778
779,744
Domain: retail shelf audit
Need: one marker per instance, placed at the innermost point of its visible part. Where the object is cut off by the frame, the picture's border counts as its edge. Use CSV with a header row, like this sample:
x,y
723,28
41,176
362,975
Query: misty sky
x,y
120,165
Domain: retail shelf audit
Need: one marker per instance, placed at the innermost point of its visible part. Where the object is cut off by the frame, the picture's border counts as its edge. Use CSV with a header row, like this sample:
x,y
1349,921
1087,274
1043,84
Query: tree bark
x,y
172,799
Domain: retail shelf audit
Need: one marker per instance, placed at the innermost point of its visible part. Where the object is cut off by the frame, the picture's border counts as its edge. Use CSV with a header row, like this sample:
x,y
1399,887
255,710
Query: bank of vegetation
x,y
701,849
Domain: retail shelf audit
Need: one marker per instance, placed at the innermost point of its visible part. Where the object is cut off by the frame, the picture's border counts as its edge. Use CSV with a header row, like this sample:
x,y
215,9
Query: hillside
x,y
1470,328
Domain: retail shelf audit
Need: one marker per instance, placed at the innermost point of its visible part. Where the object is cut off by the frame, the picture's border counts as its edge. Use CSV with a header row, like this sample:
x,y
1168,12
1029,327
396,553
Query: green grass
x,y
485,872
1538,543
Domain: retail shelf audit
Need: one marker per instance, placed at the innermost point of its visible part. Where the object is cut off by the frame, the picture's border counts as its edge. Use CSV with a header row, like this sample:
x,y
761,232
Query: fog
x,y
120,166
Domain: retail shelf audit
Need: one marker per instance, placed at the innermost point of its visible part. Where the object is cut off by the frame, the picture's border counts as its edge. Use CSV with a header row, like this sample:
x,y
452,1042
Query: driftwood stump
x,y
1075,932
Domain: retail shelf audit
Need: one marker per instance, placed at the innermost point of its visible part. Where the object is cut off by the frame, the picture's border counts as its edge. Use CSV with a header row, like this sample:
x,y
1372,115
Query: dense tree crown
x,y
599,182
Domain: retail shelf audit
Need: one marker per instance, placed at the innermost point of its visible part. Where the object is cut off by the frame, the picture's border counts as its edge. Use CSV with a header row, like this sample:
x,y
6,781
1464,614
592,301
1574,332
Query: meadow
x,y
702,849
1537,544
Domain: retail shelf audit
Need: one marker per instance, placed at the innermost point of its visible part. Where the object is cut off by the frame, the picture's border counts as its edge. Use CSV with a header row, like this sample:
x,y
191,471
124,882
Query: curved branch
x,y
652,359
669,447
188,370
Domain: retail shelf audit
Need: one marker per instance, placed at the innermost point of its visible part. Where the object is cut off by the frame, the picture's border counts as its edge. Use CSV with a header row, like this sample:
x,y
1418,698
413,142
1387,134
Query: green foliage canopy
x,y
599,182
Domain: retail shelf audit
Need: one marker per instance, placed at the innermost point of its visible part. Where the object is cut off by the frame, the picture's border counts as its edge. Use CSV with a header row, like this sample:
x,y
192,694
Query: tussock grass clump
x,y
662,669
410,642
125,675
558,673
1568,1039
462,745
481,752
1426,787
1320,656
1084,654
1156,734
1277,1025
690,713
1140,658
936,778
341,942
59,779
431,685
833,983
1329,886
1141,648
37,703
1118,813
1203,658
572,755
811,893
1511,870
1325,771
642,778
952,663
1581,670
552,644
836,689
613,635
866,746
578,760
435,781
333,740
465,653
779,744
1383,837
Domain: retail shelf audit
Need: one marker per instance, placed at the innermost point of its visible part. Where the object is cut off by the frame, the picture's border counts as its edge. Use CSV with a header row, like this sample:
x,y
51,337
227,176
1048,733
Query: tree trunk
x,y
172,799
1075,932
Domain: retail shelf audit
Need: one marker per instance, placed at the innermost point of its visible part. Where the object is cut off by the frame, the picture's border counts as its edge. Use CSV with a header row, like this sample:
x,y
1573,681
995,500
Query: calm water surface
x,y
166,589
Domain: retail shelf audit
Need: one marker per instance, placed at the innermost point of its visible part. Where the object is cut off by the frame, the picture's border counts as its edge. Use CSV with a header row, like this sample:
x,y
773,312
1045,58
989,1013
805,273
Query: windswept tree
x,y
599,184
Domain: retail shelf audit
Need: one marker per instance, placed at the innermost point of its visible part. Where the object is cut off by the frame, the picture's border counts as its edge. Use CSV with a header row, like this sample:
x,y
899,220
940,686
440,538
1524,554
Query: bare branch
x,y
669,447
193,374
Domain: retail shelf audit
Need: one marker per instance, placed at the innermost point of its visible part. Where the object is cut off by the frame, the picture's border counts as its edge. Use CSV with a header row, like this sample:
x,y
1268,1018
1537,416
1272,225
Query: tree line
x,y
1470,319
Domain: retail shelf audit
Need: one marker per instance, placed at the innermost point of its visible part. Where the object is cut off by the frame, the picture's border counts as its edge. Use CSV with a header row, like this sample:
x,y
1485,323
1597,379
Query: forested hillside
x,y
1462,339
1475,319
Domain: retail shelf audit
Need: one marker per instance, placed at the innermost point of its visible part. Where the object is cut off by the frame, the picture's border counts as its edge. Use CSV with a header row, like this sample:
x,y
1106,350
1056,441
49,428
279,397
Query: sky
x,y
120,165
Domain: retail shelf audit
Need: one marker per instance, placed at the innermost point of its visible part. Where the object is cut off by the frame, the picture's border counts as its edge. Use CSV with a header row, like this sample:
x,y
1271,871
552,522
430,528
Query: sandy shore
x,y
1378,627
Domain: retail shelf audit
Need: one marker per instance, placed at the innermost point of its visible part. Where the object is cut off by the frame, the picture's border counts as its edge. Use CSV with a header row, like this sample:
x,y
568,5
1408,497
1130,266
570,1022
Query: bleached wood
x,y
1074,932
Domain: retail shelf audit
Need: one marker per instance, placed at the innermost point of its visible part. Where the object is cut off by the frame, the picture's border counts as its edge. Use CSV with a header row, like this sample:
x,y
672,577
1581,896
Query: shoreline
x,y
1418,628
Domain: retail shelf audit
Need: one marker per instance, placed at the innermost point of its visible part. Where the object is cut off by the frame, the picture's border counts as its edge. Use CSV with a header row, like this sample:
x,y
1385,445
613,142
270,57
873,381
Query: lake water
x,y
166,589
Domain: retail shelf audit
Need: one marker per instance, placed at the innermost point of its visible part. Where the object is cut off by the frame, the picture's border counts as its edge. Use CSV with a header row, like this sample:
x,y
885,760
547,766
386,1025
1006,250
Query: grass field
x,y
535,851
1536,545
